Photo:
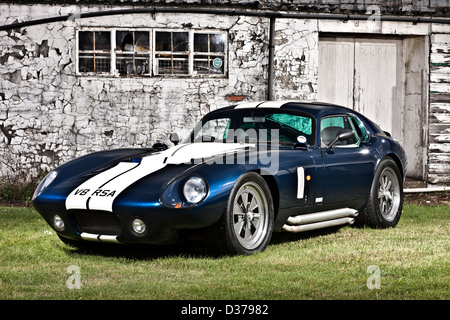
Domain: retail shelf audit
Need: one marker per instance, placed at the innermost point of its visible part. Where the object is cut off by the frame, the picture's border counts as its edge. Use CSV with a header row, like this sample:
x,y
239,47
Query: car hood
x,y
100,191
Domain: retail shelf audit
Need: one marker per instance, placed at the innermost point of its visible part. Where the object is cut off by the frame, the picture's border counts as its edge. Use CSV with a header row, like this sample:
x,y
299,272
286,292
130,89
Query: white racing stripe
x,y
203,150
248,105
78,198
99,192
104,200
274,104
264,104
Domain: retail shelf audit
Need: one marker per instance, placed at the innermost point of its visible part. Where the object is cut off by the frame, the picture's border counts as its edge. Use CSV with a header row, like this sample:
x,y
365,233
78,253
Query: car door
x,y
296,161
348,165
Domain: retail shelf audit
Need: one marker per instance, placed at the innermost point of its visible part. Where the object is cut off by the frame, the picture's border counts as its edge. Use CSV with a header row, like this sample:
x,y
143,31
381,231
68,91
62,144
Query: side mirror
x,y
342,135
174,138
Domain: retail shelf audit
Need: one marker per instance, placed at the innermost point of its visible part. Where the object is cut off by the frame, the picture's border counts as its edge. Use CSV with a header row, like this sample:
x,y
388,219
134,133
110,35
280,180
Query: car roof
x,y
316,109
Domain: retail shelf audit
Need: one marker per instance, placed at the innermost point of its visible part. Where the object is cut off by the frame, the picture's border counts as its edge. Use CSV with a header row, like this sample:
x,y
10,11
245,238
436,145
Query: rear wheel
x,y
247,223
385,203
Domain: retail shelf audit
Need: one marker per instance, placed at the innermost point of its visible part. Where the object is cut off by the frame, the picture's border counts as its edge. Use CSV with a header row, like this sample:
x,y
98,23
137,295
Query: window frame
x,y
356,144
187,53
116,52
152,67
209,53
78,51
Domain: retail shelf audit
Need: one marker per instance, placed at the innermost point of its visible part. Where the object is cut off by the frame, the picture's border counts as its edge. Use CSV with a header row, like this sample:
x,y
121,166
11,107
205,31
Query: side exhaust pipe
x,y
319,220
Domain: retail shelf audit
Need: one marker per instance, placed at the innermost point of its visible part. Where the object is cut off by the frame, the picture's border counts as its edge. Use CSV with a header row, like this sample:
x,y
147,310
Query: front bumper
x,y
162,224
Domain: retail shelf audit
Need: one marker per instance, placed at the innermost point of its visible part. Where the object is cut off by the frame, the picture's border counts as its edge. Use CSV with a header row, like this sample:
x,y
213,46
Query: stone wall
x,y
49,114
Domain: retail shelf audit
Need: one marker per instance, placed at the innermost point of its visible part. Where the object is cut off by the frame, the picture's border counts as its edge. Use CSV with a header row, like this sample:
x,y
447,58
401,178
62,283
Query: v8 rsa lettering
x,y
96,193
81,192
104,193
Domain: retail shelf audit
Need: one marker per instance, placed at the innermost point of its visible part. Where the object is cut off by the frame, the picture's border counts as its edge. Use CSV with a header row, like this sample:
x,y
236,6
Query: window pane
x,y
86,40
172,64
163,41
209,64
86,63
102,63
164,66
180,66
217,43
201,64
330,127
102,40
213,42
128,64
200,42
359,126
132,40
302,124
142,40
94,62
98,40
332,122
129,58
124,41
180,42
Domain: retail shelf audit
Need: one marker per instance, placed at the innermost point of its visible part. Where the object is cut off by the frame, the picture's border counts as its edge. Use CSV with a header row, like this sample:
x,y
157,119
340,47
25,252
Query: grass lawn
x,y
410,261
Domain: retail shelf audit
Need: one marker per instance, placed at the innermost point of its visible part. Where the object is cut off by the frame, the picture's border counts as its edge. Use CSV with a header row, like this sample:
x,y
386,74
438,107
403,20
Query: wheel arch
x,y
273,187
398,162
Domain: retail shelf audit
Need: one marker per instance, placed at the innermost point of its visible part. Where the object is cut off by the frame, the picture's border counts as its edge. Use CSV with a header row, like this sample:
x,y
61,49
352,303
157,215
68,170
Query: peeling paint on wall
x,y
49,114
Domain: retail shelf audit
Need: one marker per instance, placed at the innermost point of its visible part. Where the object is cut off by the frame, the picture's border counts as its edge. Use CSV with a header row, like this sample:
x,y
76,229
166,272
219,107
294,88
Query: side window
x,y
359,128
330,127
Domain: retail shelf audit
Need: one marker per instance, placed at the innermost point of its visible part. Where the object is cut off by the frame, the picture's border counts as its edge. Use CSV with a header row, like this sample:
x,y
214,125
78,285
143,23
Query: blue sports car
x,y
244,172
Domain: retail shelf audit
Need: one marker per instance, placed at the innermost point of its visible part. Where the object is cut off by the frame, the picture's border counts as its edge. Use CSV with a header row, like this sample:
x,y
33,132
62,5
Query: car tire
x,y
247,223
385,203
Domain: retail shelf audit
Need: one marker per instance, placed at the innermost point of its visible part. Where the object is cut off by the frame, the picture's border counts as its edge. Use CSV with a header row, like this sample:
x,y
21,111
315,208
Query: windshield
x,y
254,125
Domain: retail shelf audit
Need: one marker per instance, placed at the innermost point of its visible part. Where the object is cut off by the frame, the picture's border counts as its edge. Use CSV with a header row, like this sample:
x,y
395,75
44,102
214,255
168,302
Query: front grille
x,y
97,222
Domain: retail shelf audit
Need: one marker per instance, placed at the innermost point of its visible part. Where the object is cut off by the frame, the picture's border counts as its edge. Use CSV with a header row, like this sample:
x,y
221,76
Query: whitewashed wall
x,y
49,115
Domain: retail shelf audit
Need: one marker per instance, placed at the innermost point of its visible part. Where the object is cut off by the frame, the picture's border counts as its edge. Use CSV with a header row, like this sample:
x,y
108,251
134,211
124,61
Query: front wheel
x,y
385,203
247,223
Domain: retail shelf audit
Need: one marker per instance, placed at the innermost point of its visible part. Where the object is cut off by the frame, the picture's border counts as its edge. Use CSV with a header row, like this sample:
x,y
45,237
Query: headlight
x,y
138,226
58,223
194,190
45,183
184,192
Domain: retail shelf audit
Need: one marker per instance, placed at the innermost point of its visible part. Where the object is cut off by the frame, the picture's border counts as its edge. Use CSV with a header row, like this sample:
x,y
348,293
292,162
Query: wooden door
x,y
368,75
